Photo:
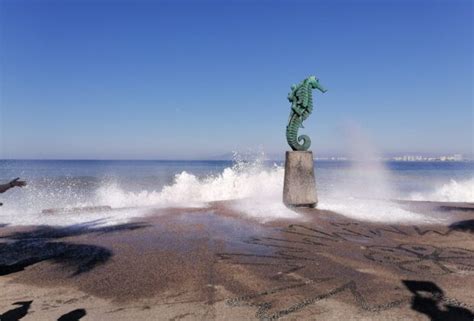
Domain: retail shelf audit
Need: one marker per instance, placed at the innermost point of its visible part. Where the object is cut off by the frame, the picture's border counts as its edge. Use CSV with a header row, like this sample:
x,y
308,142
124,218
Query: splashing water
x,y
365,192
257,190
454,191
254,188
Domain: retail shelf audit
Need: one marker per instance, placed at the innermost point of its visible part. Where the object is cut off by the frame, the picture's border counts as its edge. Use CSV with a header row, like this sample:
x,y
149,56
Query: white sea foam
x,y
257,190
365,191
96,218
374,211
254,188
454,191
387,211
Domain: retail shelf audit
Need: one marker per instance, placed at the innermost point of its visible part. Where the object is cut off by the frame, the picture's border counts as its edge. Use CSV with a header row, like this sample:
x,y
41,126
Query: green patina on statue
x,y
301,99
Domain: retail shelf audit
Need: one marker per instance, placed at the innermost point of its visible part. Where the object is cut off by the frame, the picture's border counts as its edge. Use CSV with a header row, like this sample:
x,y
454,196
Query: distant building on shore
x,y
417,158
403,158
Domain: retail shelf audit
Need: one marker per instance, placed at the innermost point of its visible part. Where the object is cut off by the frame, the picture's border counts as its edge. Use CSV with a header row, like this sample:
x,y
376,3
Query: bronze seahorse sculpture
x,y
301,99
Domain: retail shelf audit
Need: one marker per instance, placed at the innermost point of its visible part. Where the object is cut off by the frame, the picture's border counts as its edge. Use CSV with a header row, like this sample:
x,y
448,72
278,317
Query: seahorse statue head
x,y
314,83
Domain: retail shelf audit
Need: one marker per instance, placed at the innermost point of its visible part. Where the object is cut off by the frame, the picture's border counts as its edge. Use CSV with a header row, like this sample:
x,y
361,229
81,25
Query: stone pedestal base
x,y
299,188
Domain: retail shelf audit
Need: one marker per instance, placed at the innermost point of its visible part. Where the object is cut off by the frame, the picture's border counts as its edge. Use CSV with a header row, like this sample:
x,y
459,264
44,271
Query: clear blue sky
x,y
195,79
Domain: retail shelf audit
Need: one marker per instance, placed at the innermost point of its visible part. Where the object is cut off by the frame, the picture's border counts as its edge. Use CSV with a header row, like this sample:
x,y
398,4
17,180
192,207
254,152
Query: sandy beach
x,y
215,264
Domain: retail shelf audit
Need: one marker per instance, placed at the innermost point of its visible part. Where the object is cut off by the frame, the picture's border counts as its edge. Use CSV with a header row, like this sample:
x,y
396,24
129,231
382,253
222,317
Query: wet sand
x,y
215,264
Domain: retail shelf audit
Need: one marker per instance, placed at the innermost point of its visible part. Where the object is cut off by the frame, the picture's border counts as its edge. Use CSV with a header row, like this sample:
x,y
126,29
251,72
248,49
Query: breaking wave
x,y
454,191
255,188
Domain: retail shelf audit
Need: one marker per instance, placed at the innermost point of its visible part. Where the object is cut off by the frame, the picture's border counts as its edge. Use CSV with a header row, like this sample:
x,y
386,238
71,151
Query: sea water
x,y
362,190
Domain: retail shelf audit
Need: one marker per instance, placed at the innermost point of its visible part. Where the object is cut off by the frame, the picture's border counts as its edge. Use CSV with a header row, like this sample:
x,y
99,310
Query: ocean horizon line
x,y
328,159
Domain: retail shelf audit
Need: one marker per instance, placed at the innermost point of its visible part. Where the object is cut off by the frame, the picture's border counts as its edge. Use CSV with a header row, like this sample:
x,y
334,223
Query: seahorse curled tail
x,y
292,135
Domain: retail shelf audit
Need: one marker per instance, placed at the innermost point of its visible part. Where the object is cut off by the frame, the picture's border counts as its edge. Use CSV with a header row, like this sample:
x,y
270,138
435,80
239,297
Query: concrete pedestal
x,y
299,187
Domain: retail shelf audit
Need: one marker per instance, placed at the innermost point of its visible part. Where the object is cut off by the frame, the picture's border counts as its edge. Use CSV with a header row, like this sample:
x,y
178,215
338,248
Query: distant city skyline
x,y
199,79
